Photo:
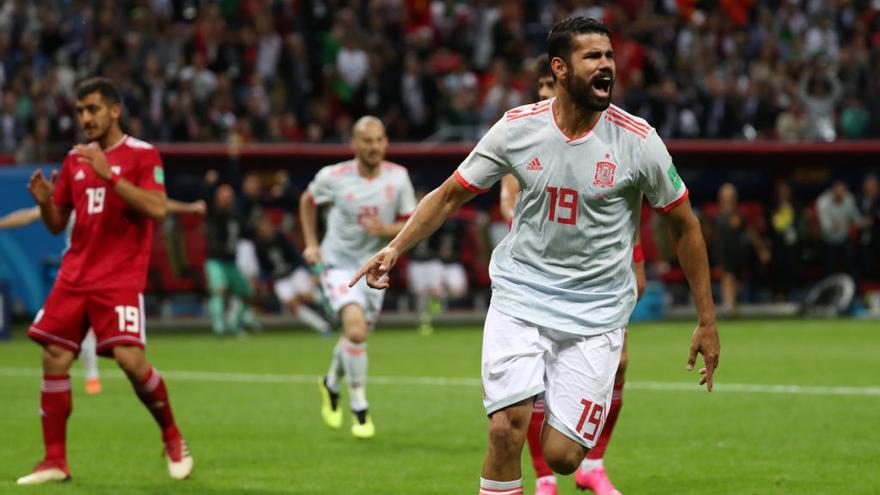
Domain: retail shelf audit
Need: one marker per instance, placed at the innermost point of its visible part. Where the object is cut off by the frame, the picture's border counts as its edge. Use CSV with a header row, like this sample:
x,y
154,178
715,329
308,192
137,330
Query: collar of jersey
x,y
572,140
117,143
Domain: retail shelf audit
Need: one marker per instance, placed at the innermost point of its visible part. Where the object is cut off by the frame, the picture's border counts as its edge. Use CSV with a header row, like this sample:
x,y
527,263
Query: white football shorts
x,y
575,372
296,283
335,281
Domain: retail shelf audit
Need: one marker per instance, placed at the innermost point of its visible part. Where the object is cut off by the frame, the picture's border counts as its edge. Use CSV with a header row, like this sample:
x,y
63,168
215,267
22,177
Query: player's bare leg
x,y
150,389
507,434
591,474
55,407
545,481
563,454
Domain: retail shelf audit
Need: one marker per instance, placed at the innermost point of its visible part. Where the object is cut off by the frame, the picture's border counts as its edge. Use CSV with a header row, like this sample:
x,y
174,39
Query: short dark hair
x,y
559,41
101,85
542,67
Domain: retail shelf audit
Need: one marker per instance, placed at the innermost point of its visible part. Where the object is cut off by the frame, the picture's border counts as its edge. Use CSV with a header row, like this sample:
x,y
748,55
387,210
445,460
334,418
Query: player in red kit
x,y
115,185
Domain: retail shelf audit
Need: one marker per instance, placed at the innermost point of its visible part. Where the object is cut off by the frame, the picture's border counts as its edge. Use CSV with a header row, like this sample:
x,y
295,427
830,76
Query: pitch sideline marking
x,y
212,376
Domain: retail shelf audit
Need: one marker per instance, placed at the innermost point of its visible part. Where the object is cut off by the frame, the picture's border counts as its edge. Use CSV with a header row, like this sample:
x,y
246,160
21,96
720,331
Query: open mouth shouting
x,y
601,85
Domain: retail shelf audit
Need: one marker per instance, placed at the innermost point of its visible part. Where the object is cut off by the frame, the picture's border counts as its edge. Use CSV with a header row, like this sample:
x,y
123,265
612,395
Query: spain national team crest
x,y
604,174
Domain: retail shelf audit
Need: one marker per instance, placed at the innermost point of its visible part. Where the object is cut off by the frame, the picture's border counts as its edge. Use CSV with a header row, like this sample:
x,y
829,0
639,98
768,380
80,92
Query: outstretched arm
x,y
197,207
427,218
685,229
20,218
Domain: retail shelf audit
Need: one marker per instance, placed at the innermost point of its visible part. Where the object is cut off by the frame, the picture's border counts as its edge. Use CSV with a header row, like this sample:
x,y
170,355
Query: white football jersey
x,y
353,198
566,263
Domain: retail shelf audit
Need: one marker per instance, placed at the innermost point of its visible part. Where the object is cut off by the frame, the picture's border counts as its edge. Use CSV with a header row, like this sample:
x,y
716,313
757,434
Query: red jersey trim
x,y
404,217
310,198
626,118
630,128
467,185
567,136
677,202
41,336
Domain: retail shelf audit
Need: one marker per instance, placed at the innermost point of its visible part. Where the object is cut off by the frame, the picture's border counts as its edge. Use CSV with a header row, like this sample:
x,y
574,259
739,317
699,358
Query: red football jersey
x,y
110,243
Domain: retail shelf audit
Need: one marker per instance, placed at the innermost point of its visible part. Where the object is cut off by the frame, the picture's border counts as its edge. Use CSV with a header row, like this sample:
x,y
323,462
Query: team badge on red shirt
x,y
604,174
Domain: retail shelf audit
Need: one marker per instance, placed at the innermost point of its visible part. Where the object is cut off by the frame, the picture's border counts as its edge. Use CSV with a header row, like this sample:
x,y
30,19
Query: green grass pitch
x,y
249,410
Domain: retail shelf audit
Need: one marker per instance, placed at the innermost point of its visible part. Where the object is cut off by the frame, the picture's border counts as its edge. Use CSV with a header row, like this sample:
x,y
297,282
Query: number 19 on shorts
x,y
591,420
129,318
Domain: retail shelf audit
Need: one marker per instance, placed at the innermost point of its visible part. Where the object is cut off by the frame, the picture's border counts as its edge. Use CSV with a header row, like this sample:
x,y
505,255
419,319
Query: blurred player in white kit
x,y
369,199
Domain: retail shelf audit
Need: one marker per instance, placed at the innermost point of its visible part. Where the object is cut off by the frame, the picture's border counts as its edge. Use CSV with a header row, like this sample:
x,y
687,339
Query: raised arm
x,y
55,217
685,230
431,212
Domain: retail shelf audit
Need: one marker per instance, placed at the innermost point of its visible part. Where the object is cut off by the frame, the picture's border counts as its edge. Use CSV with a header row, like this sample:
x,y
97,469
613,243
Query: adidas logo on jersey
x,y
80,175
535,165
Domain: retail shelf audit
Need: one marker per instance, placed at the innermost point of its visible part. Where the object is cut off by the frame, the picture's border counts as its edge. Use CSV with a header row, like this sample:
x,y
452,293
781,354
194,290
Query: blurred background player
x,y
838,214
368,199
224,228
561,298
434,271
591,474
292,281
115,184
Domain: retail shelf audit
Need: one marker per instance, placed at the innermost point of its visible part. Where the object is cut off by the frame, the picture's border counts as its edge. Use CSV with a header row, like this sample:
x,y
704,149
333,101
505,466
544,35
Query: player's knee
x,y
56,359
564,459
132,361
354,324
507,431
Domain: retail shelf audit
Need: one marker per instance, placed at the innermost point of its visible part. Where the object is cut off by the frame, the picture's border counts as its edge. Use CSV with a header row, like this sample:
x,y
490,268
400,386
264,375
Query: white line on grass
x,y
442,381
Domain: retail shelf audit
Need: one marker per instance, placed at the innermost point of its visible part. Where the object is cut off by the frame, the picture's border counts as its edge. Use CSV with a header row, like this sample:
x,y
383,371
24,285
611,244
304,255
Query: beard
x,y
584,97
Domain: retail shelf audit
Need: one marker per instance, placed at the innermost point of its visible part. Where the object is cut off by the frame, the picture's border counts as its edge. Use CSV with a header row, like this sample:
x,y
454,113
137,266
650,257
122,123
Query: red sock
x,y
598,451
153,394
534,437
55,407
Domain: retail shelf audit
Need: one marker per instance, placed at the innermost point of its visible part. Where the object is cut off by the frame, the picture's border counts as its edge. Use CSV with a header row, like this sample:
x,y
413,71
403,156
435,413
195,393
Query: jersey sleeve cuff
x,y
677,202
467,185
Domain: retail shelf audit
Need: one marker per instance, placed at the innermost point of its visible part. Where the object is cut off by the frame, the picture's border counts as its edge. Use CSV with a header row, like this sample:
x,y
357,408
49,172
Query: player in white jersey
x,y
369,199
562,279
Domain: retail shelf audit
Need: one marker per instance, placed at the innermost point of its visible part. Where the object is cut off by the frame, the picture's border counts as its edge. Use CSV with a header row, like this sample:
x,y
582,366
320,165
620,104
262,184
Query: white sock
x,y
336,370
489,487
354,361
591,464
89,355
308,316
544,480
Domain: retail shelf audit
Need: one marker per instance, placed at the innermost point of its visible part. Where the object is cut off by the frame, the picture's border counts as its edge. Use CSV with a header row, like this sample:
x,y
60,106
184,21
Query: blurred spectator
x,y
205,71
223,228
783,220
291,280
869,235
819,92
792,124
734,241
838,214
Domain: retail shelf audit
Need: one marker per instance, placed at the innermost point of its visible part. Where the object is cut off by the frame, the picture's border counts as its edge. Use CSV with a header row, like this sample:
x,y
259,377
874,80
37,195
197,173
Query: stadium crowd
x,y
303,70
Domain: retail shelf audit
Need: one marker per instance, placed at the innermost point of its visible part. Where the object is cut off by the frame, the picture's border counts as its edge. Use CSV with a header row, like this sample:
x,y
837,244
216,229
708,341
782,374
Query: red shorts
x,y
116,315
